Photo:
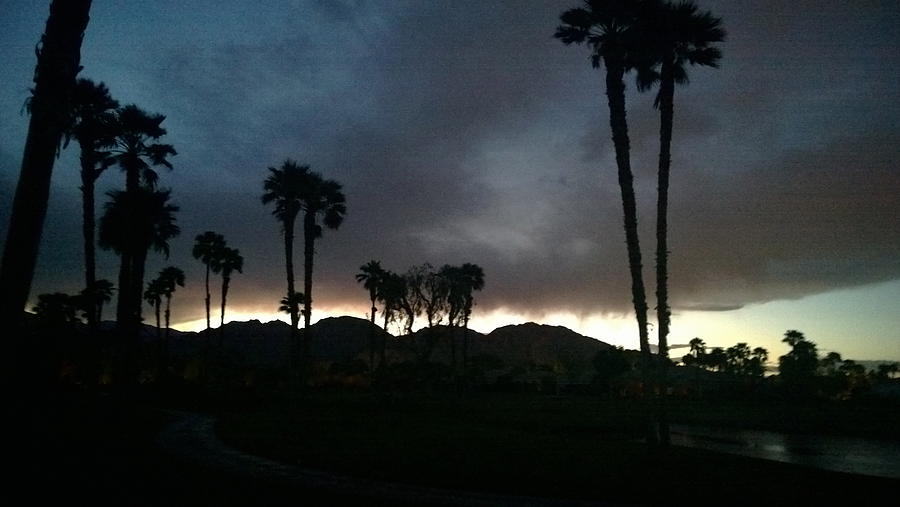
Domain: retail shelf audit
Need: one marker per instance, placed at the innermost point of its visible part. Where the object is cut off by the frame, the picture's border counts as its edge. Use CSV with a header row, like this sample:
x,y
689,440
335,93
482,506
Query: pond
x,y
843,454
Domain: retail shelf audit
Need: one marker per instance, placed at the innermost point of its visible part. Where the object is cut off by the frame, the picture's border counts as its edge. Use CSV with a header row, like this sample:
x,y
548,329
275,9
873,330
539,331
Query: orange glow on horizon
x,y
615,330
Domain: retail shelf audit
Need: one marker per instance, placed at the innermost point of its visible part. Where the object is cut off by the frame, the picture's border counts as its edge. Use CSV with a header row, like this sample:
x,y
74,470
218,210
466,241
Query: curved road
x,y
192,437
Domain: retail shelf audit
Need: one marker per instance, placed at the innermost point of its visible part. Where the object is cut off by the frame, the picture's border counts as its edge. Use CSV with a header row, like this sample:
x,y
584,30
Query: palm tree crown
x,y
134,151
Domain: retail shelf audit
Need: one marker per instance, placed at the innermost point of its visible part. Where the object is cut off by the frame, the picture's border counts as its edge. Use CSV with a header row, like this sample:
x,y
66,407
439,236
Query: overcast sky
x,y
464,132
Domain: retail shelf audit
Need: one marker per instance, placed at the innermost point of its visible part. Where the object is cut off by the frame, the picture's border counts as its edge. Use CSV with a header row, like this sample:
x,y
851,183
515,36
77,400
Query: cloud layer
x,y
471,135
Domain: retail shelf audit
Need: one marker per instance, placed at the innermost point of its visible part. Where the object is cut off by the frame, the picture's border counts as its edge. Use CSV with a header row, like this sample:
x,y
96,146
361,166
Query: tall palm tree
x,y
676,35
58,64
611,29
283,187
318,198
93,120
207,249
132,224
229,261
136,154
371,275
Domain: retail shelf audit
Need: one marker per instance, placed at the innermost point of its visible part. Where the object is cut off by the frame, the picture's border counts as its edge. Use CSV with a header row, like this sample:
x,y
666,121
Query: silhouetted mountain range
x,y
343,339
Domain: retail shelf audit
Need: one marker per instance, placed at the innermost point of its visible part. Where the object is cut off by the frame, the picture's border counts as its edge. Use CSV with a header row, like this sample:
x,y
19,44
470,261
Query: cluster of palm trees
x,y
657,39
295,190
213,251
447,292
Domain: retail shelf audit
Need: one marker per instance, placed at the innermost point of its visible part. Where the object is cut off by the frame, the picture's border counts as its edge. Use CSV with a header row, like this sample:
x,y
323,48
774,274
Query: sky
x,y
464,132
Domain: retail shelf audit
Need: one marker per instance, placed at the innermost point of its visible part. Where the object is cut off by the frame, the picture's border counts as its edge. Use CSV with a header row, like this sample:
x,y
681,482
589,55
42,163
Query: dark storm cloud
x,y
471,135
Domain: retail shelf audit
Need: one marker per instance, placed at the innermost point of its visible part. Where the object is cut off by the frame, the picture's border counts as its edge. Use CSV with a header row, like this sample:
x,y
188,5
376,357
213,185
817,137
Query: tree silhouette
x,y
371,275
472,279
171,278
135,153
57,309
93,127
391,292
207,249
229,261
798,367
611,29
58,64
132,224
153,295
318,198
283,187
674,35
97,295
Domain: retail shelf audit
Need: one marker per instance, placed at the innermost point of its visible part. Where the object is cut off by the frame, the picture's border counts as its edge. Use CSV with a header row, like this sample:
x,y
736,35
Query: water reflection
x,y
842,454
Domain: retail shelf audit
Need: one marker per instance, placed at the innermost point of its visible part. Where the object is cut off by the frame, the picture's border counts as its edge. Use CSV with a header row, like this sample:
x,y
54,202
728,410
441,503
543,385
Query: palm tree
x,y
318,197
93,120
172,278
58,64
371,275
131,225
133,150
391,291
229,261
96,295
472,278
676,35
135,153
207,249
611,29
291,304
153,294
283,187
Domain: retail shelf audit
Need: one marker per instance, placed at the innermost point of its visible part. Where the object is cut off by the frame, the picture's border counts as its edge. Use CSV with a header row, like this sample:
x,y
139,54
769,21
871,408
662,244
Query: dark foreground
x,y
94,450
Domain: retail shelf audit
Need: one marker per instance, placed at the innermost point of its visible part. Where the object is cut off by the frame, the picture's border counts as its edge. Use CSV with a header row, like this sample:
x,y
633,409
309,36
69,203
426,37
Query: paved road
x,y
192,437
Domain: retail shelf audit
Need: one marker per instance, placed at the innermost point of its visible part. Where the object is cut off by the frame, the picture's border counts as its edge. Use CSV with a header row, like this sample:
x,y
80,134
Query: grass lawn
x,y
571,447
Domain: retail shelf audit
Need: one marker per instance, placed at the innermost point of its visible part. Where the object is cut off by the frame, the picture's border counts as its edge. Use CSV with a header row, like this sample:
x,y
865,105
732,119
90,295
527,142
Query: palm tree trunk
x,y
309,238
207,298
87,230
165,354
58,63
615,93
666,113
225,281
384,339
289,267
372,339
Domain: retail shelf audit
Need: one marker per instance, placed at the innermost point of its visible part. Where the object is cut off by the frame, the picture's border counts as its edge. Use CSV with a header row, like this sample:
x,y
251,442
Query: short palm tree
x,y
208,249
290,304
611,29
153,294
371,275
229,261
472,277
172,278
96,296
131,225
391,291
